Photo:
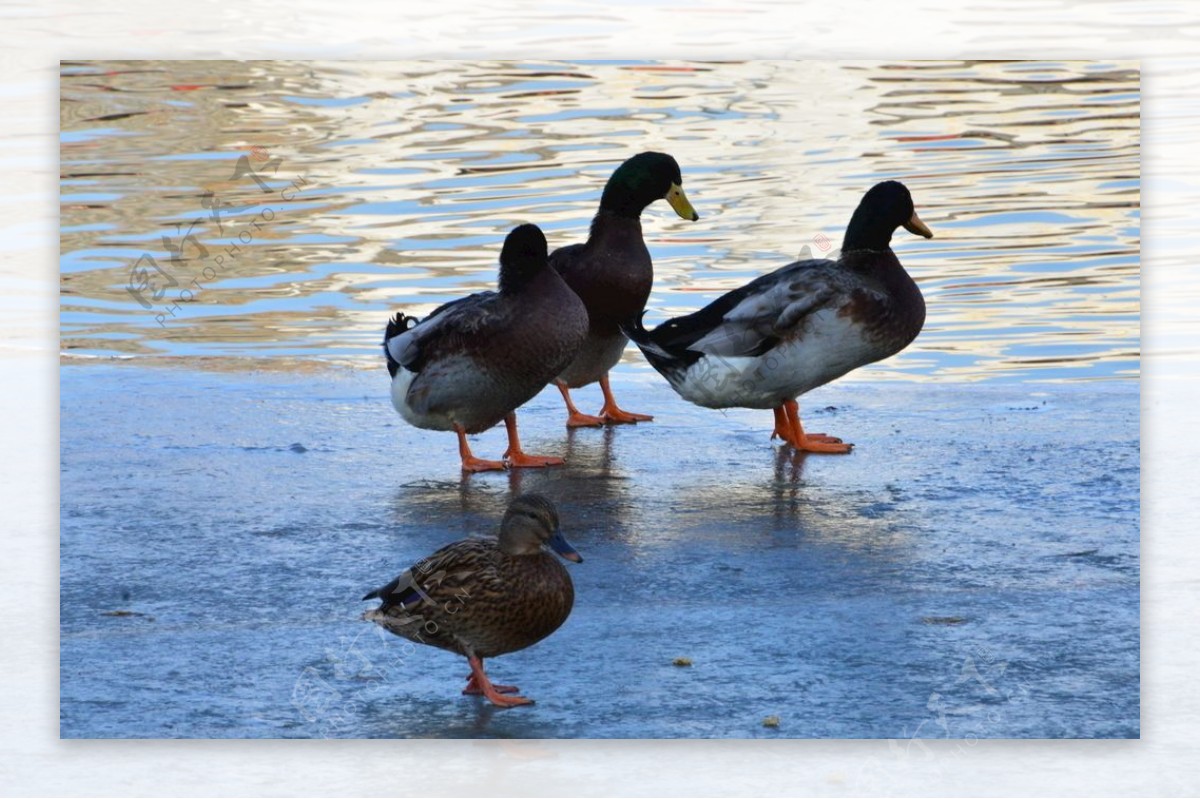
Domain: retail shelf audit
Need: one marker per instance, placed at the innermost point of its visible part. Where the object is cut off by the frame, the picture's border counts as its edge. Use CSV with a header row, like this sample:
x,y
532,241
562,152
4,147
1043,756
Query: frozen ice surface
x,y
971,570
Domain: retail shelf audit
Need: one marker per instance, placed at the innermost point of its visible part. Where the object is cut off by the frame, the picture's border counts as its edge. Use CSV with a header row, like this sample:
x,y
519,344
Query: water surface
x,y
322,196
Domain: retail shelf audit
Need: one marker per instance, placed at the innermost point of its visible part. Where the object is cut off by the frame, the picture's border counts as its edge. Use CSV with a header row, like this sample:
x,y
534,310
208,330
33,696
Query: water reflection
x,y
789,471
383,185
589,488
583,452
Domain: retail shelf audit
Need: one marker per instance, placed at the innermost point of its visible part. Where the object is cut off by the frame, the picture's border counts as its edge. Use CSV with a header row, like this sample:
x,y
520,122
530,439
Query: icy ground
x,y
971,570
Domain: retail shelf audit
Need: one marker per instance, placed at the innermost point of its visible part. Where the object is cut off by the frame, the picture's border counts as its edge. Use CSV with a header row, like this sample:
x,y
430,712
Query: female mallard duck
x,y
474,361
786,333
482,598
612,274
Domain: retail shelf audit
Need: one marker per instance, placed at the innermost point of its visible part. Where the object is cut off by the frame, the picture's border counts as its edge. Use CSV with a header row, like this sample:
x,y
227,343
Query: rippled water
x,y
389,185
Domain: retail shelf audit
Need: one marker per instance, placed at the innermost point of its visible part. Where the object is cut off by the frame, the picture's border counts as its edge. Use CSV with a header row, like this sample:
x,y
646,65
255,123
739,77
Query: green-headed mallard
x,y
482,598
766,343
612,273
472,362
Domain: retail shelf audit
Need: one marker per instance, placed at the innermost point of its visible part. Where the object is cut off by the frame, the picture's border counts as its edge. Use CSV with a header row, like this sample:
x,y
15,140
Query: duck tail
x,y
383,592
662,359
402,591
399,323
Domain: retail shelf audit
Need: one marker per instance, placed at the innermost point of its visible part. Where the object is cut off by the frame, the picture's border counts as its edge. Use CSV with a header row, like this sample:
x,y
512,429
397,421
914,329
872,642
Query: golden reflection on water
x,y
392,184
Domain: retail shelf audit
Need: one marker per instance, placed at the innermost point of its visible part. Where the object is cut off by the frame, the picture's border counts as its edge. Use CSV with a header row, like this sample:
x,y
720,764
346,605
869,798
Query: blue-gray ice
x,y
970,570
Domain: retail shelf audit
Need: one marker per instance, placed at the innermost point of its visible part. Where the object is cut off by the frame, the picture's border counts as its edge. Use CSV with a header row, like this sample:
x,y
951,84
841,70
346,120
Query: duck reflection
x,y
591,492
789,469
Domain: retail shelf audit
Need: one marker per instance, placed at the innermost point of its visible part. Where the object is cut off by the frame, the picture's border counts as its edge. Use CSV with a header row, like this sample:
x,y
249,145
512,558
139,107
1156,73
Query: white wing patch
x,y
832,346
404,347
774,313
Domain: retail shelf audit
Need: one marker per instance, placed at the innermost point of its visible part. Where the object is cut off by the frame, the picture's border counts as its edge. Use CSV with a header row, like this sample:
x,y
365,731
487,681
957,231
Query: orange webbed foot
x,y
473,688
611,414
826,445
789,428
575,418
519,460
506,700
473,465
515,457
470,463
496,694
578,419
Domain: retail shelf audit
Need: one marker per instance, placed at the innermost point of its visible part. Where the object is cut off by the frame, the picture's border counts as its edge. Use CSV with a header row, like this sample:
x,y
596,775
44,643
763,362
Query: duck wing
x,y
751,320
464,568
409,342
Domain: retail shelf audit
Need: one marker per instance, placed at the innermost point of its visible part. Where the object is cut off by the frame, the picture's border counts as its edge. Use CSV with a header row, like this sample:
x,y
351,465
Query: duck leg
x,y
469,462
576,418
783,426
817,442
513,456
611,413
793,410
491,692
473,688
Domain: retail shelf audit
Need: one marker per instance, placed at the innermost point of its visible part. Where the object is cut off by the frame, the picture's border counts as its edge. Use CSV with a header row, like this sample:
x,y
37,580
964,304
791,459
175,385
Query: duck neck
x,y
607,225
882,263
518,545
867,231
515,277
543,290
619,200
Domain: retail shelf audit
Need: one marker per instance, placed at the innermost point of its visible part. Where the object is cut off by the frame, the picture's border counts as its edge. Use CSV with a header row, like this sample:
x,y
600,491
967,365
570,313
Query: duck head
x,y
522,258
884,208
643,179
530,523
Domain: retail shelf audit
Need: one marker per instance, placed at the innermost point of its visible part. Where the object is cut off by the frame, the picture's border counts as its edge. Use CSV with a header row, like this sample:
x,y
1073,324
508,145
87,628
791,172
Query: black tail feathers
x,y
399,323
662,359
635,329
400,591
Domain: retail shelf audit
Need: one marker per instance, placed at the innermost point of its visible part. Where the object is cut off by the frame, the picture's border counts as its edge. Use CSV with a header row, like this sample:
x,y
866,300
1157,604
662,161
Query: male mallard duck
x,y
612,274
485,597
766,343
474,361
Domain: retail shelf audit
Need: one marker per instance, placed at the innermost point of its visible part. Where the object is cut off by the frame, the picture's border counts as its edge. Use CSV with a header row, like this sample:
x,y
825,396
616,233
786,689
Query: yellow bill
x,y
915,225
679,202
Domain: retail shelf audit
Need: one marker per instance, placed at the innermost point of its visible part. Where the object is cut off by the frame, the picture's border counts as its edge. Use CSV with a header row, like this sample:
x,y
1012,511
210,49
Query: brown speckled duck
x,y
810,322
482,598
612,273
472,362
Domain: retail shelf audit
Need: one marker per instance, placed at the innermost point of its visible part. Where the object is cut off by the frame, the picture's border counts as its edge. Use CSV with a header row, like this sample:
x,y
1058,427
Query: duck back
x,y
474,361
473,599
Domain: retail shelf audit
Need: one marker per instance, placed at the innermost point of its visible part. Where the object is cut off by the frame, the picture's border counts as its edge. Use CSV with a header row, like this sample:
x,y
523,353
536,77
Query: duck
x,y
799,327
486,597
612,273
472,362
